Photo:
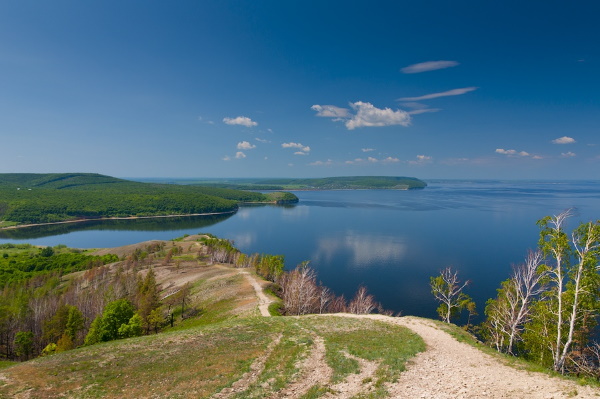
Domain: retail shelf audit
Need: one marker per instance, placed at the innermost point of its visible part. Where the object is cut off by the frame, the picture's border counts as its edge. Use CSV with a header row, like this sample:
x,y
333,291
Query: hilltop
x,y
27,198
324,183
227,348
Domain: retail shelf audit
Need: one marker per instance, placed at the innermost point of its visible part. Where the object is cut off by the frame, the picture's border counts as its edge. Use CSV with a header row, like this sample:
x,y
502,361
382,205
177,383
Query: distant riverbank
x,y
20,226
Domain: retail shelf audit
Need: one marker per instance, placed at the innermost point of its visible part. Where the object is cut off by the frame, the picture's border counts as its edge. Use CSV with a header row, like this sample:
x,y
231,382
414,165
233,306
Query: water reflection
x,y
361,250
157,224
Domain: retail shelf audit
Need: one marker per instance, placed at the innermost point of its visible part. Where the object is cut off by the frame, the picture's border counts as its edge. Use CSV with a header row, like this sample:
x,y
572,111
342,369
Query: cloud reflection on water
x,y
361,250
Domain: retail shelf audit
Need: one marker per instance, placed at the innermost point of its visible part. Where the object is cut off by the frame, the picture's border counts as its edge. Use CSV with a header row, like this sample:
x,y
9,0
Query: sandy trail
x,y
263,300
451,369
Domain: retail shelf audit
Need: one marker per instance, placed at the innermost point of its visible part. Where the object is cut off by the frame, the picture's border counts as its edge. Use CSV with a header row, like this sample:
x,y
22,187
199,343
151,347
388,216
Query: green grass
x,y
202,360
7,363
389,345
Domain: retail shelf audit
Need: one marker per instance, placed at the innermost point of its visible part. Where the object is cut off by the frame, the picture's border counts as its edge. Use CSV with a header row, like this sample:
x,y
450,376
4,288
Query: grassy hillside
x,y
221,347
43,198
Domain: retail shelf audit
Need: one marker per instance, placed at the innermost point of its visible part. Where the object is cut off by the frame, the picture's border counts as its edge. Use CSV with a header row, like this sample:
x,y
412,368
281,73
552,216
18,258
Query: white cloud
x,y
240,120
372,160
365,115
505,152
367,149
368,115
568,154
537,157
453,92
511,153
240,155
262,140
296,145
428,66
421,159
390,160
563,140
321,163
244,145
330,111
226,158
300,153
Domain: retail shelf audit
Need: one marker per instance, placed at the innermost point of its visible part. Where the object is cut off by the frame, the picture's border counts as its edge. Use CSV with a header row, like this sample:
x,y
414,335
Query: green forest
x,y
324,183
45,198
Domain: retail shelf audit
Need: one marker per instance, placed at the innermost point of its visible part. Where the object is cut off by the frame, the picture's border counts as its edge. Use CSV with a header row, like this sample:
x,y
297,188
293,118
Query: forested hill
x,y
325,183
43,198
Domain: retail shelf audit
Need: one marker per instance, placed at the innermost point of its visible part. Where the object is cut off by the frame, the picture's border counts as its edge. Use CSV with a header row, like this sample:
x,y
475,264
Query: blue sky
x,y
431,89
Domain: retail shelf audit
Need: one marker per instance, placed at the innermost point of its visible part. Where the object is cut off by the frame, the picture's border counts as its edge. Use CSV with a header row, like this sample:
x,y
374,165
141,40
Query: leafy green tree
x,y
106,327
567,311
24,344
448,290
133,328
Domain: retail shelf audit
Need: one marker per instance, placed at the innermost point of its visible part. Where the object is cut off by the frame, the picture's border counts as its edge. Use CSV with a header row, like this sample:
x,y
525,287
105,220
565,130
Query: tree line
x,y
547,310
49,310
47,198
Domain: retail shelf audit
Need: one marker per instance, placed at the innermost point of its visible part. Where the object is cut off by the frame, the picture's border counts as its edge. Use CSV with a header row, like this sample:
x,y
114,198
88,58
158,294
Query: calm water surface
x,y
390,241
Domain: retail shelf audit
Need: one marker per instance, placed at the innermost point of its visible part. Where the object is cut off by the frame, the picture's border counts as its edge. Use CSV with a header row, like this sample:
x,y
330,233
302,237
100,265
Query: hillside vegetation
x,y
326,183
45,198
217,346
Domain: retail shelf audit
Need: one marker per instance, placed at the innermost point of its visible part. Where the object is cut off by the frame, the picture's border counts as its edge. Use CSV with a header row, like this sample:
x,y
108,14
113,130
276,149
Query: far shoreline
x,y
21,226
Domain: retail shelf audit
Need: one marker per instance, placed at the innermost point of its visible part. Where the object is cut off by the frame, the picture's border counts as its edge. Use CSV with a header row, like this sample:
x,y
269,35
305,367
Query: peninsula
x,y
29,198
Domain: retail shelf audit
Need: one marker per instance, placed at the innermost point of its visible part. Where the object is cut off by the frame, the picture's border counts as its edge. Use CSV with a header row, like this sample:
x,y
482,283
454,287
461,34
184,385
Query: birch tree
x,y
448,290
510,311
572,267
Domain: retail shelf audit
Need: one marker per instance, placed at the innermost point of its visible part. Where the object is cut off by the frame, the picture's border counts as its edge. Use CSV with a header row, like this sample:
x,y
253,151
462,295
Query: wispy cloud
x,y
428,66
372,160
330,111
367,149
302,147
300,153
226,158
568,154
321,163
240,155
564,140
262,140
365,114
244,145
240,120
421,159
515,154
453,92
423,111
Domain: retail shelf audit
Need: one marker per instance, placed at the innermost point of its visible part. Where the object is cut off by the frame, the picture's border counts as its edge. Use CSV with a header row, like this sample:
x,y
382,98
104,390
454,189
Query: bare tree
x,y
363,302
508,313
448,290
299,291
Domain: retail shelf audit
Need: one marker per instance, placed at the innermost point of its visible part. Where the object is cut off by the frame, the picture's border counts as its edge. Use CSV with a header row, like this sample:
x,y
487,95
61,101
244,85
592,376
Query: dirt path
x,y
313,371
251,376
263,300
447,369
451,369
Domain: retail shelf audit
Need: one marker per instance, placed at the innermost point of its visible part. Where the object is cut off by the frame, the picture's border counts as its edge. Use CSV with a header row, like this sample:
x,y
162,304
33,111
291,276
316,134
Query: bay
x,y
390,241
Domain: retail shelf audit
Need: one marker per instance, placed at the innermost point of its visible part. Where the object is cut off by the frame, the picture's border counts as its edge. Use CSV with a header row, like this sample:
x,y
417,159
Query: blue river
x,y
391,241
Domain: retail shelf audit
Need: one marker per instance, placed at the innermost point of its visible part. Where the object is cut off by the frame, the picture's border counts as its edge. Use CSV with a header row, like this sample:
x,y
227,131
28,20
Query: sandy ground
x,y
451,369
447,369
